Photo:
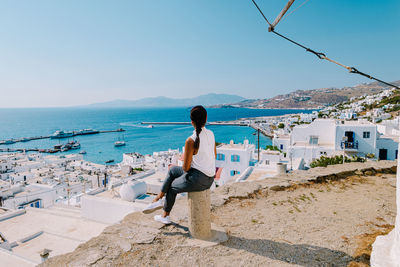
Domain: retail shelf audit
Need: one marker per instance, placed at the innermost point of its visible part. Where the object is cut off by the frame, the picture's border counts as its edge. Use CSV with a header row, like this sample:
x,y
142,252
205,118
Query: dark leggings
x,y
179,181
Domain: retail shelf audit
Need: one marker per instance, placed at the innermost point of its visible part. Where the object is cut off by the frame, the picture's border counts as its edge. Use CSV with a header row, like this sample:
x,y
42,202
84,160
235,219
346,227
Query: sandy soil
x,y
328,224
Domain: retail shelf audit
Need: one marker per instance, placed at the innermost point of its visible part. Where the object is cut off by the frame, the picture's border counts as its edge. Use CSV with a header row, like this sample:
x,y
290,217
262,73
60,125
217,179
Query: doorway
x,y
350,136
383,154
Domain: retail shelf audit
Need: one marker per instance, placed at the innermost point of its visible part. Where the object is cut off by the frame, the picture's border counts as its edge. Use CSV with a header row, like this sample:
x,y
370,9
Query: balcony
x,y
349,145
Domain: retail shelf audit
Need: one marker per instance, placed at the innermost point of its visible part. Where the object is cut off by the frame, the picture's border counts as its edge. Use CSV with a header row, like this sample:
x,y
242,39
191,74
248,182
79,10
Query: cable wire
x,y
322,55
254,2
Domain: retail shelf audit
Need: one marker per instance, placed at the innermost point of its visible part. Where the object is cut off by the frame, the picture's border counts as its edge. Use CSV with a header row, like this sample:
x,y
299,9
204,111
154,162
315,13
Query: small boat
x,y
58,146
119,143
76,146
9,142
83,152
150,126
86,131
110,161
61,134
25,139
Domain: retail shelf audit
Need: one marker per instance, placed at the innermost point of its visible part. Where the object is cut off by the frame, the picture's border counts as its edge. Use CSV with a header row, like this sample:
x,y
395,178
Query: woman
x,y
197,172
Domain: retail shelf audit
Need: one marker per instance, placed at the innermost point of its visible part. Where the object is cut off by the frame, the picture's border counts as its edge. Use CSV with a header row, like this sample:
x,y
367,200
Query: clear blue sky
x,y
61,53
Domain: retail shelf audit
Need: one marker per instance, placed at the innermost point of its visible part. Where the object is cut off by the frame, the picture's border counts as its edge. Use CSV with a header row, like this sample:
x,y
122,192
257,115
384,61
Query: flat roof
x,y
261,173
235,146
63,230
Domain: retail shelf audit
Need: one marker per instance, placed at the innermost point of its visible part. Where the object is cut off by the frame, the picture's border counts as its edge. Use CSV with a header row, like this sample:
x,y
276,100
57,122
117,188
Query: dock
x,y
75,133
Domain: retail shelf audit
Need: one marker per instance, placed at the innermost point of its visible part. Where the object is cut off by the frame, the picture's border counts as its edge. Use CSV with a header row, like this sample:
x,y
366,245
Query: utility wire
x,y
319,54
254,2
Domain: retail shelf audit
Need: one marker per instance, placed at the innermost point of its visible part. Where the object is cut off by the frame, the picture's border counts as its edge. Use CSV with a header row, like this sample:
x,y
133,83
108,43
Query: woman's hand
x,y
188,154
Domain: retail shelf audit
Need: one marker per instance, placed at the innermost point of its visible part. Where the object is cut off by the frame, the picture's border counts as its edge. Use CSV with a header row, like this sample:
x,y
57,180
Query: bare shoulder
x,y
189,141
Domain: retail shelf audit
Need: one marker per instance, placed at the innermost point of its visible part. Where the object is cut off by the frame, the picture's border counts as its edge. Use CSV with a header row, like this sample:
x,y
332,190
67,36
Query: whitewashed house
x,y
269,159
308,117
135,160
37,196
328,137
233,159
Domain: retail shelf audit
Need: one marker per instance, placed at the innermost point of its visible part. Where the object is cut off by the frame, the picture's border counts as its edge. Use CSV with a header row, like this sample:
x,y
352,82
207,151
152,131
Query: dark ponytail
x,y
198,115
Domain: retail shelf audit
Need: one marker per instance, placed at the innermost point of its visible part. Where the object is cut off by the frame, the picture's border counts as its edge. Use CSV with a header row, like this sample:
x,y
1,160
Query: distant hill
x,y
161,101
313,98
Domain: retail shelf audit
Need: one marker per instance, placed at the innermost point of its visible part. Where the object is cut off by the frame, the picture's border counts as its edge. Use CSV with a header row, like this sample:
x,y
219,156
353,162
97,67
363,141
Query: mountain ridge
x,y
162,101
312,98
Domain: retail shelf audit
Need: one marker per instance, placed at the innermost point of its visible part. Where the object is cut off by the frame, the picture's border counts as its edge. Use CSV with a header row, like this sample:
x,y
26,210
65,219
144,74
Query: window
x,y
366,134
235,158
313,140
267,162
220,156
233,172
395,156
281,147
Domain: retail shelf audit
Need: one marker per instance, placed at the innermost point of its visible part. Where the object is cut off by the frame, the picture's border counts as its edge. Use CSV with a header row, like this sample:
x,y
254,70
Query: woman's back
x,y
204,160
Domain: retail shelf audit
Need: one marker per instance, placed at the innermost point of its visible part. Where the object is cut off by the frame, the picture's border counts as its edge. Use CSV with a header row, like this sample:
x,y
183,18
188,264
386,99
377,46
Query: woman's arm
x,y
188,154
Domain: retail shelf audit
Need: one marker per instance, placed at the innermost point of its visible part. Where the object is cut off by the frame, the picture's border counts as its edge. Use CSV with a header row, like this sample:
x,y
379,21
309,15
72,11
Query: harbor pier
x,y
54,136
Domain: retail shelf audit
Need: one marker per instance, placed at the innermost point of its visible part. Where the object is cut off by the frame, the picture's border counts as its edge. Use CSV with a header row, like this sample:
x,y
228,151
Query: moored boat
x,y
61,134
86,131
119,143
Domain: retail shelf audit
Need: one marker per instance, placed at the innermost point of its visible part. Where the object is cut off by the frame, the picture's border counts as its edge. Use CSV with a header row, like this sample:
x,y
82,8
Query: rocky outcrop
x,y
140,229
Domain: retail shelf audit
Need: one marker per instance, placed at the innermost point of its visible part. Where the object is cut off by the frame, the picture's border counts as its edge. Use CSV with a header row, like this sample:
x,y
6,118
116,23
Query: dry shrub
x,y
364,242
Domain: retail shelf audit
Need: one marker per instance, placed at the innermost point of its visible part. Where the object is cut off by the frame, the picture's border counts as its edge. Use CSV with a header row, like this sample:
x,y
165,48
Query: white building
x,y
37,196
135,160
327,137
233,159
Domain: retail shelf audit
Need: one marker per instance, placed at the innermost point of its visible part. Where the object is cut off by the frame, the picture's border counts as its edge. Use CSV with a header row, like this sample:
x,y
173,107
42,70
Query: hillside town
x,y
49,204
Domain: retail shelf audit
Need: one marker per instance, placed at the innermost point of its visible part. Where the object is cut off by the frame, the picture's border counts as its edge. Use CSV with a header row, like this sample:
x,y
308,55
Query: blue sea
x,y
18,123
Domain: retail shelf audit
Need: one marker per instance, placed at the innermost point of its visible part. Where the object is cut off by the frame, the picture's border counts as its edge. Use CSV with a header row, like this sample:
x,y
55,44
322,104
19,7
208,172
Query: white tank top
x,y
204,160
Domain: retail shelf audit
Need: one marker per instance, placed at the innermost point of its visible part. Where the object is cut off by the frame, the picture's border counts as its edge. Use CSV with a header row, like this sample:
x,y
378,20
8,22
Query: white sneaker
x,y
161,219
154,206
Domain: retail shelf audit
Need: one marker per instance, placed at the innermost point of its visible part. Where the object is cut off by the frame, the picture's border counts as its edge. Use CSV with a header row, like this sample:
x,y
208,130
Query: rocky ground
x,y
322,217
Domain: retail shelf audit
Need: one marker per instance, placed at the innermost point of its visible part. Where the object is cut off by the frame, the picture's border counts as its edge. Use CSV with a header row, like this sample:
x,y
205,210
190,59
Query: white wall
x,y
46,194
272,158
106,210
324,129
365,145
285,142
228,165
